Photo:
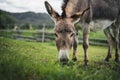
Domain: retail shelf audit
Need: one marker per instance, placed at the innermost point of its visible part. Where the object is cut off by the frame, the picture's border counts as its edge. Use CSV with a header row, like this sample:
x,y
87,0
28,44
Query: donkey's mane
x,y
63,8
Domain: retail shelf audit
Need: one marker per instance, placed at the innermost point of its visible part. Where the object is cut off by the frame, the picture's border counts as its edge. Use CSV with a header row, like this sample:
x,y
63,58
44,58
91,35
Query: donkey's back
x,y
105,9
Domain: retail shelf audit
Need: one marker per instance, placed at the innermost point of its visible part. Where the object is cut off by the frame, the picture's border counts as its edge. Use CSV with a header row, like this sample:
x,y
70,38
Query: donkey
x,y
103,13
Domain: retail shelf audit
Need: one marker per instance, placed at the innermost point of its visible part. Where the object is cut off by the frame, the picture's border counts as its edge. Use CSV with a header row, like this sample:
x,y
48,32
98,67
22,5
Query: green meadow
x,y
21,60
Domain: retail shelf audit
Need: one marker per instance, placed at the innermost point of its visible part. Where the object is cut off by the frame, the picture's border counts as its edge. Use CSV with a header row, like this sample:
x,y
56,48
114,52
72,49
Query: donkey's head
x,y
64,30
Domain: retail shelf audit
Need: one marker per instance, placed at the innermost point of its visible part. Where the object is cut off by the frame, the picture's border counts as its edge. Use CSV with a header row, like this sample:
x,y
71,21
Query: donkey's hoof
x,y
85,62
85,65
106,59
110,56
74,59
117,60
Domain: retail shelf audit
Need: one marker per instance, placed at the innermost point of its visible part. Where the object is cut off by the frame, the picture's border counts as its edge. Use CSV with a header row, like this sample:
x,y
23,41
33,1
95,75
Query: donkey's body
x,y
103,13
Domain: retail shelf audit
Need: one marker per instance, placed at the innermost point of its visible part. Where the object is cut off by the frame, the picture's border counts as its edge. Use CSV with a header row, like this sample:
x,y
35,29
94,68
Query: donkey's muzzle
x,y
64,60
63,56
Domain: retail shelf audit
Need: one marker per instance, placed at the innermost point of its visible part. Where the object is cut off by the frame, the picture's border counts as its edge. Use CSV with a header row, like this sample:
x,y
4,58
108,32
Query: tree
x,y
6,21
24,26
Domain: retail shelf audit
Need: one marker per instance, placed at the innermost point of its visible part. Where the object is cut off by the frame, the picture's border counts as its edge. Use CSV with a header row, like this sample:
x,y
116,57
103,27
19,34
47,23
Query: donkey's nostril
x,y
64,60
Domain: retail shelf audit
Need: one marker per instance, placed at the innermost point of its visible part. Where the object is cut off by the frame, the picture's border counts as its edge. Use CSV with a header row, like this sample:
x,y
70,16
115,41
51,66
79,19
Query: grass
x,y
95,35
20,60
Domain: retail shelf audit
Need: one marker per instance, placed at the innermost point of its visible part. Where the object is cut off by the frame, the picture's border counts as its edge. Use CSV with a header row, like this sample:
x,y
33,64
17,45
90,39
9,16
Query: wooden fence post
x,y
43,33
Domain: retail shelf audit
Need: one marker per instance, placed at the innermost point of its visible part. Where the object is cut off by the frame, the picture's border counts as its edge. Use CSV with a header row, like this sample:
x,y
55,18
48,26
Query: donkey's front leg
x,y
75,49
86,31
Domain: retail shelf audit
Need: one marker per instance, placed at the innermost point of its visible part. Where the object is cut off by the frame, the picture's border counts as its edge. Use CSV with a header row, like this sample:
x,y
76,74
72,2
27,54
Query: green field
x,y
99,34
20,60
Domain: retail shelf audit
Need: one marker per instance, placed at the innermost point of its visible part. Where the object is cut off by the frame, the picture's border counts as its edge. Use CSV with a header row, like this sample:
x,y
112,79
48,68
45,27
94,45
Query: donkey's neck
x,y
74,6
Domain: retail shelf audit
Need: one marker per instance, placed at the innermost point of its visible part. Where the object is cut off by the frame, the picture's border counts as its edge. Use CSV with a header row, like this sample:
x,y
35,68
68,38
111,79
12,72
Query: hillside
x,y
31,18
7,18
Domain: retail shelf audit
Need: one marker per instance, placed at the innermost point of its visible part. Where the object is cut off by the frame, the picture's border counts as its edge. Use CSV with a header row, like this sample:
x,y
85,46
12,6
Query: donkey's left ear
x,y
51,11
76,17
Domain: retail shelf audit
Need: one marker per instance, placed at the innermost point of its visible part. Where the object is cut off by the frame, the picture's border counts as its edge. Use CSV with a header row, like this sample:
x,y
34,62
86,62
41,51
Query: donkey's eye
x,y
56,35
72,35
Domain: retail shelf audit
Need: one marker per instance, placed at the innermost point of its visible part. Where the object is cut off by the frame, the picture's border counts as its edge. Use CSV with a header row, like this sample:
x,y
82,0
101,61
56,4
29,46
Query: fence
x,y
42,36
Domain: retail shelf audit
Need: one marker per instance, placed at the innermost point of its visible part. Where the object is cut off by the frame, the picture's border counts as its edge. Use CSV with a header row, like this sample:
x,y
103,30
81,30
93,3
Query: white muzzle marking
x,y
64,54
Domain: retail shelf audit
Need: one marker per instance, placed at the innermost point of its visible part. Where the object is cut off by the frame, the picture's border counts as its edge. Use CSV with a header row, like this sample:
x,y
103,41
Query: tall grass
x,y
20,60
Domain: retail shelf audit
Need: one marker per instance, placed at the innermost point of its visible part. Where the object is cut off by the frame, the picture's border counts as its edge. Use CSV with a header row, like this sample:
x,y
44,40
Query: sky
x,y
29,5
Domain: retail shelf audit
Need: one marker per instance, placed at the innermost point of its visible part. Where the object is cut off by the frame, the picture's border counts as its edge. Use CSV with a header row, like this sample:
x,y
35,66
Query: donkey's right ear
x,y
55,16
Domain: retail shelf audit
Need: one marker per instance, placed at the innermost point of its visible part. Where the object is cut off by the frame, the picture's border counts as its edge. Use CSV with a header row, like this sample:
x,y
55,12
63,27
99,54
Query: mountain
x,y
31,18
23,18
